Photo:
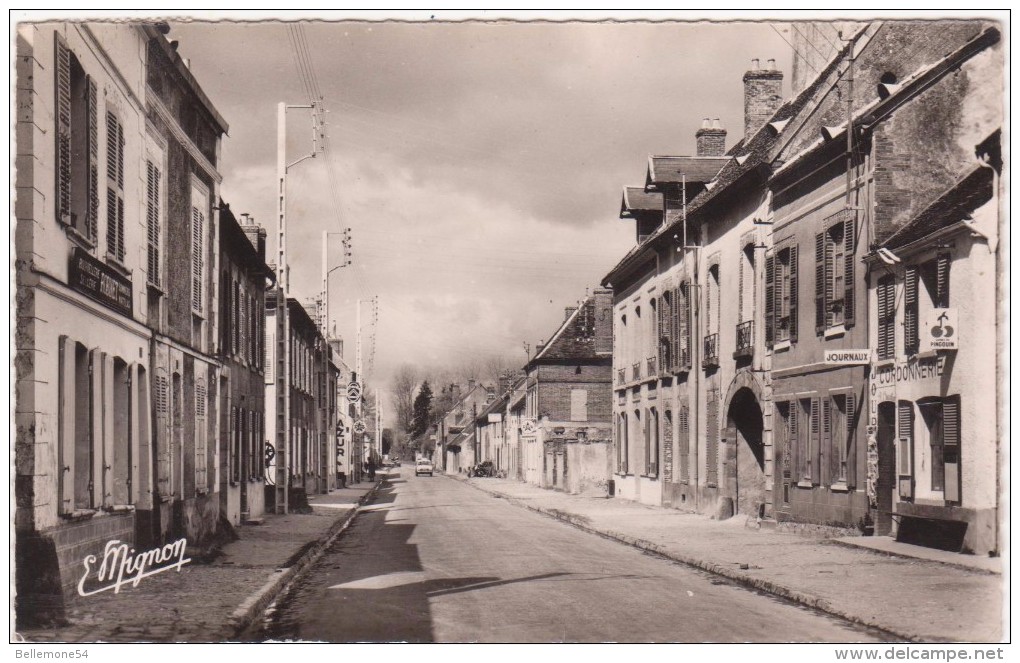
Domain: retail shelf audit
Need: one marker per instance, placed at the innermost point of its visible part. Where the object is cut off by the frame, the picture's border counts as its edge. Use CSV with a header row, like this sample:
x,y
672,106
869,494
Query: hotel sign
x,y
100,282
848,357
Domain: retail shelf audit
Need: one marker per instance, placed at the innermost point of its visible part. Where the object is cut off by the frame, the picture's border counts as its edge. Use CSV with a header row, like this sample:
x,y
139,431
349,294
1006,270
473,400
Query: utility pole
x,y
282,418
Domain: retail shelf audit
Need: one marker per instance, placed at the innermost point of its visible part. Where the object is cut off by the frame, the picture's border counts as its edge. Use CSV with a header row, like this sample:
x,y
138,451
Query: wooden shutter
x,y
794,447
103,413
851,441
152,220
676,320
830,440
911,340
849,241
770,300
906,448
66,423
942,280
201,467
162,435
886,318
683,327
243,325
951,448
793,293
197,222
684,443
828,276
814,451
712,430
92,214
820,284
63,129
664,335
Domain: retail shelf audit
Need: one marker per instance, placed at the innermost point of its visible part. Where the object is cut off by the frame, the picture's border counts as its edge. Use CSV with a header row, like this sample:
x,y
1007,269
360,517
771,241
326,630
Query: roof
x,y
673,170
954,205
234,240
574,341
636,199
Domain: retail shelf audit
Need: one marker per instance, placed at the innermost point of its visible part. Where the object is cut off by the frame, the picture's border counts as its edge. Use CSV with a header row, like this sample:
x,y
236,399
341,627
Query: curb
x,y
899,555
759,584
252,607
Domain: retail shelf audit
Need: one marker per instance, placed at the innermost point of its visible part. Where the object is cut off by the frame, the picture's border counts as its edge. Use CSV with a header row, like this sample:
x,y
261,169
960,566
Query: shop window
x,y
942,420
905,449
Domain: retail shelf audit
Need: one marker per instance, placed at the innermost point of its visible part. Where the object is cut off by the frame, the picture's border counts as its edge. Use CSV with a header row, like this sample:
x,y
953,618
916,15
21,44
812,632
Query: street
x,y
435,560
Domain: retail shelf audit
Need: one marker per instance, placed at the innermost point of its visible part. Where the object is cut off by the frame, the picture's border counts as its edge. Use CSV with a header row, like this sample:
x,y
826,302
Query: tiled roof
x,y
672,170
636,199
575,339
956,203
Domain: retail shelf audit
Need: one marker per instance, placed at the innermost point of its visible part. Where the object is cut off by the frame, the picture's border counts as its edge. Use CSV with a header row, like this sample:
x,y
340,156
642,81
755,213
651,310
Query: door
x,y
885,484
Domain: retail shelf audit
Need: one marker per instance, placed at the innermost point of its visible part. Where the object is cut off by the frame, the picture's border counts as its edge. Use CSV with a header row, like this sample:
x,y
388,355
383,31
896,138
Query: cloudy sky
x,y
479,165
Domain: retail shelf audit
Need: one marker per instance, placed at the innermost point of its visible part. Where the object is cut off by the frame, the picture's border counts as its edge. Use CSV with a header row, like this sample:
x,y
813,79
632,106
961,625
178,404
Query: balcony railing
x,y
635,371
745,340
621,376
710,355
651,366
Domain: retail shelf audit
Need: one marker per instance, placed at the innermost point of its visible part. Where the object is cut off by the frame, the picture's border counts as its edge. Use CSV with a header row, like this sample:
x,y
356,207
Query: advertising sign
x,y
99,281
848,357
940,331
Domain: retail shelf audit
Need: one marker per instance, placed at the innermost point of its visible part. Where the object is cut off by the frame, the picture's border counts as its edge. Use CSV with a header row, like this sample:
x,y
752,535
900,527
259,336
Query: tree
x,y
422,408
387,441
404,384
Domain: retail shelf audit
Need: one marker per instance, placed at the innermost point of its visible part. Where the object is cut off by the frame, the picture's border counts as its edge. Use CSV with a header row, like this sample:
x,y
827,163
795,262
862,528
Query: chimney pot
x,y
755,64
706,123
772,63
716,124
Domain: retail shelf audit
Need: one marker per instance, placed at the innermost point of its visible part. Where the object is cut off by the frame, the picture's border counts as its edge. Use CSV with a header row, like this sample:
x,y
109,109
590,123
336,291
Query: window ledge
x,y
835,331
885,363
78,515
78,238
929,354
155,288
119,508
117,265
840,487
805,484
782,346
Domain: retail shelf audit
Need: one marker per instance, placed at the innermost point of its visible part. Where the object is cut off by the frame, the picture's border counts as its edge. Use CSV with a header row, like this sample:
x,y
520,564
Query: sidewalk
x,y
917,599
212,602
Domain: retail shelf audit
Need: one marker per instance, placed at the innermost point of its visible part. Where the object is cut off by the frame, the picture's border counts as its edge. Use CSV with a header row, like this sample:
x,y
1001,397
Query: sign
x,y
848,357
99,281
120,559
940,331
353,392
528,427
359,427
929,368
495,417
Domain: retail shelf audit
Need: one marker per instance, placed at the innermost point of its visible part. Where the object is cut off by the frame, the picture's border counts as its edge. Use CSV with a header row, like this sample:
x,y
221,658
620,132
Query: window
x,y
905,448
839,429
942,420
712,441
745,283
834,273
77,140
787,411
621,443
579,405
805,426
235,445
652,443
201,433
934,274
683,421
114,187
667,446
781,297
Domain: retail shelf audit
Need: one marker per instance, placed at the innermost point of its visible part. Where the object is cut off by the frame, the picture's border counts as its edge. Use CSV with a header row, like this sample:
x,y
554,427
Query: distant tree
x,y
387,441
404,384
422,408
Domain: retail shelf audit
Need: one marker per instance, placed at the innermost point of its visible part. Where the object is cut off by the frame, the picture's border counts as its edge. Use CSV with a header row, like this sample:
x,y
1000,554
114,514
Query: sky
x,y
478,165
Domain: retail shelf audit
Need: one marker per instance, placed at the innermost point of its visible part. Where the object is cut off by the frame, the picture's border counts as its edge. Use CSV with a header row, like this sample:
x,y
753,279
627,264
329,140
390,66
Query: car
x,y
423,466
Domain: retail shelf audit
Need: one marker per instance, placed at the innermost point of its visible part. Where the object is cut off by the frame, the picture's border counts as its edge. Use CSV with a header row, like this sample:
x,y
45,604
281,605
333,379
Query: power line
x,y
806,61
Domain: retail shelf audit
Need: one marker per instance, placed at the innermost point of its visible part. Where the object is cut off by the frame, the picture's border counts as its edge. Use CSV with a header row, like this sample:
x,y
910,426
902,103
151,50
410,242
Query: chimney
x,y
471,384
255,233
763,95
603,321
505,382
711,139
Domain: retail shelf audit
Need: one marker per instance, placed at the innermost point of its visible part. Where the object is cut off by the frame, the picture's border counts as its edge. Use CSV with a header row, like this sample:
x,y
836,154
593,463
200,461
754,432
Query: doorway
x,y
744,431
885,483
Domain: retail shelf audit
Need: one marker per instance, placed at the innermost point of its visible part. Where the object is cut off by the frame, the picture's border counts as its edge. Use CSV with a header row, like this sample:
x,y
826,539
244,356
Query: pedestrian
x,y
342,476
371,469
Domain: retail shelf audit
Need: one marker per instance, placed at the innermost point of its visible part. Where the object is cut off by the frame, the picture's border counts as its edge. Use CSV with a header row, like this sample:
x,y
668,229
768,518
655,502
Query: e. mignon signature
x,y
119,560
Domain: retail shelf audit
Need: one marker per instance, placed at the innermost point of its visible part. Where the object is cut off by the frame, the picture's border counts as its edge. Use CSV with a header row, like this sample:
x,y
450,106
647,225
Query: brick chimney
x,y
603,320
763,95
255,233
711,139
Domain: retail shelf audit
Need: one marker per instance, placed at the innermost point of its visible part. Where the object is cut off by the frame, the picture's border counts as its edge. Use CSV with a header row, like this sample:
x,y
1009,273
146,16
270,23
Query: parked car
x,y
423,466
484,469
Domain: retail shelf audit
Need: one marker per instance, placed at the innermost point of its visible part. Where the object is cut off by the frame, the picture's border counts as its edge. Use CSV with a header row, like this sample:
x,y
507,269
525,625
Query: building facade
x,y
244,279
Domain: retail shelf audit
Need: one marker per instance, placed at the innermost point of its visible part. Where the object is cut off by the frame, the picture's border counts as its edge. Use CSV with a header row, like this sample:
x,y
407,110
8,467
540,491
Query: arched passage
x,y
745,457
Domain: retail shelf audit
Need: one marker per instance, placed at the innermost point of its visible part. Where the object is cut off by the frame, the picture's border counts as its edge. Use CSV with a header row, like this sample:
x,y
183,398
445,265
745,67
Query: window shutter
x,y
648,442
112,145
830,439
675,314
795,451
770,300
683,313
849,240
820,284
92,220
163,435
63,129
828,276
712,459
685,444
906,448
664,315
793,294
886,318
951,447
201,467
910,312
243,327
851,442
814,453
942,281
197,221
152,221
740,286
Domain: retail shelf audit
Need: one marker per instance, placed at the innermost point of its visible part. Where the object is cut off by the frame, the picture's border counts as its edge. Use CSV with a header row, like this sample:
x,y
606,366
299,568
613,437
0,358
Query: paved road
x,y
435,560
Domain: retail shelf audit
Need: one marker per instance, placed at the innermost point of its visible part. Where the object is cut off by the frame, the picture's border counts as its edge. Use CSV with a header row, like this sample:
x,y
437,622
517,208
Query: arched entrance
x,y
744,454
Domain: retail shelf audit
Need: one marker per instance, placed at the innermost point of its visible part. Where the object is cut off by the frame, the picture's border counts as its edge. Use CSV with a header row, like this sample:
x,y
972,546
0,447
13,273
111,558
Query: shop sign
x,y
495,417
940,331
100,282
528,427
848,357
